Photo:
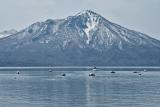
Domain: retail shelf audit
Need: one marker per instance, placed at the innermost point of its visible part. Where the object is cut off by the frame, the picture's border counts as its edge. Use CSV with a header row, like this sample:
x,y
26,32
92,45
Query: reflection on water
x,y
77,89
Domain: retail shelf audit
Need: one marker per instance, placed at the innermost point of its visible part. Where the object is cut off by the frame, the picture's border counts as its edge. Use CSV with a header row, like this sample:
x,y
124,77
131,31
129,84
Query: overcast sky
x,y
140,15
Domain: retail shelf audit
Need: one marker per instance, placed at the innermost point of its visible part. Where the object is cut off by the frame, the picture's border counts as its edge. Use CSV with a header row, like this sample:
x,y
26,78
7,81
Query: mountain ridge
x,y
7,33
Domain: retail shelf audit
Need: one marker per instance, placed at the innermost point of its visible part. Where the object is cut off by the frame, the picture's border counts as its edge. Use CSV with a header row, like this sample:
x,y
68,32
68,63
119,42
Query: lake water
x,y
40,88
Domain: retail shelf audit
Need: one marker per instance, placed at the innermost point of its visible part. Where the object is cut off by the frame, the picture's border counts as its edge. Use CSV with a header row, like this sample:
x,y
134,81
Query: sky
x,y
139,15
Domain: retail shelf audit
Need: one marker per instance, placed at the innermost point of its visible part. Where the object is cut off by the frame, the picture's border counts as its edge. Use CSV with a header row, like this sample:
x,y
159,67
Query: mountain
x,y
85,39
7,33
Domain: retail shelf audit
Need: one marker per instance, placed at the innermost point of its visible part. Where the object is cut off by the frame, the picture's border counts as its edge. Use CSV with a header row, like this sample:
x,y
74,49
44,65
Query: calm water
x,y
77,89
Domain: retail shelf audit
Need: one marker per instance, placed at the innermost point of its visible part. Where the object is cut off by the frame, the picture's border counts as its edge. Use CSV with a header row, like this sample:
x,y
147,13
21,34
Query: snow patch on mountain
x,y
91,23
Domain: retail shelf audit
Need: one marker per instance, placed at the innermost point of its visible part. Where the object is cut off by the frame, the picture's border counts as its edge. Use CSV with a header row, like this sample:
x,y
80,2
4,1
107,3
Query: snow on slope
x,y
85,29
91,23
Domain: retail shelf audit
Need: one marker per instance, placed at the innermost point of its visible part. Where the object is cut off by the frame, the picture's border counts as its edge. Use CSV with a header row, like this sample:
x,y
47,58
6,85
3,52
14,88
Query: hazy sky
x,y
140,15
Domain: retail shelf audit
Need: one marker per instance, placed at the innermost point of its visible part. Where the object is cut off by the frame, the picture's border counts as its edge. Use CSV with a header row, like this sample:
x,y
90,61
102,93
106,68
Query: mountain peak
x,y
87,12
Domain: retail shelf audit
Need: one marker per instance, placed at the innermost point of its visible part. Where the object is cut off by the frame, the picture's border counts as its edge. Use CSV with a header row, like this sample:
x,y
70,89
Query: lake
x,y
41,88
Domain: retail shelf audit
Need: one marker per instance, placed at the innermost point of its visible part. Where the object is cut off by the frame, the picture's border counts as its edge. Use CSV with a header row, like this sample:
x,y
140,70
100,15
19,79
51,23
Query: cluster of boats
x,y
92,73
138,72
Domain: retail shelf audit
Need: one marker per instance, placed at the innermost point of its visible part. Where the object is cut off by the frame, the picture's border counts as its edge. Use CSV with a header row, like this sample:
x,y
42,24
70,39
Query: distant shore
x,y
79,68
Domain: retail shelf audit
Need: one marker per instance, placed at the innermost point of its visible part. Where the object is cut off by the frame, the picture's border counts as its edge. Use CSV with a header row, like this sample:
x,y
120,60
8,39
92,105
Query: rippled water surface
x,y
49,89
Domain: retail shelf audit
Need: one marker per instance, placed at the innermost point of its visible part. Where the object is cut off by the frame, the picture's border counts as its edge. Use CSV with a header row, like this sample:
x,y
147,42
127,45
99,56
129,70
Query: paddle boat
x,y
50,70
92,74
113,72
63,74
135,72
18,72
94,69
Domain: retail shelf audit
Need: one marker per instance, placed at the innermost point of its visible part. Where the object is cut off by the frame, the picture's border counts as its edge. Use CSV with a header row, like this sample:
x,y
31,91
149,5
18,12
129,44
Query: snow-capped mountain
x,y
84,39
7,33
